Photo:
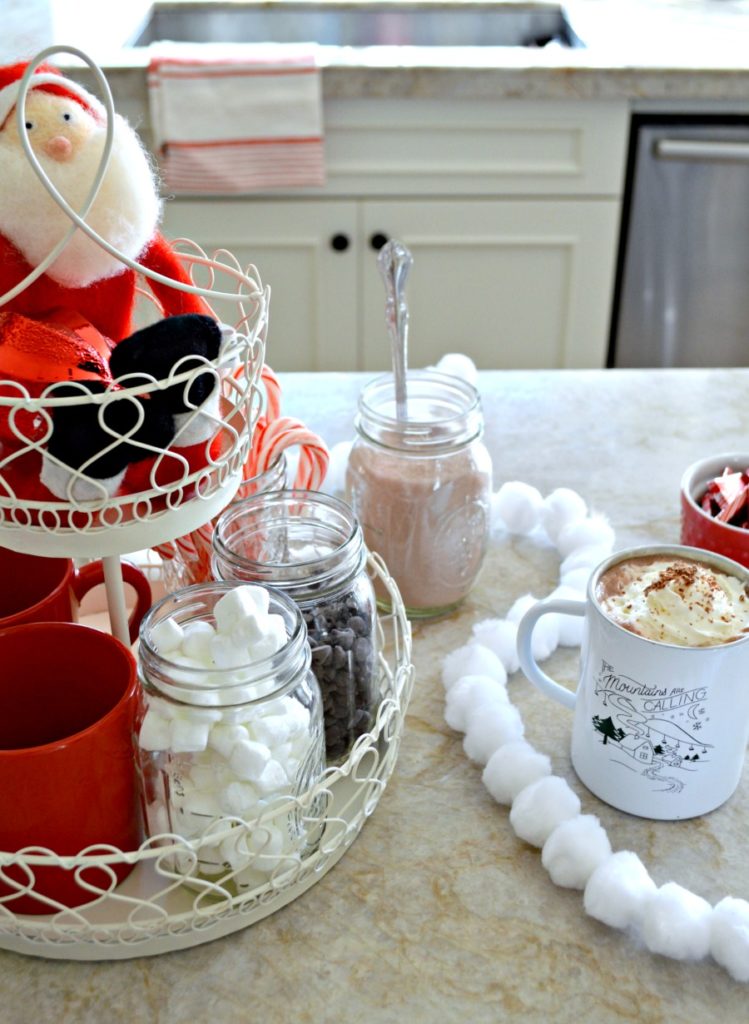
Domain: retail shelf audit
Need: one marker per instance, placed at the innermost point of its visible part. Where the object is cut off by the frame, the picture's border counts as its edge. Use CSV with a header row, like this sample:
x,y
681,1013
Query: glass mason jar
x,y
233,742
421,484
310,546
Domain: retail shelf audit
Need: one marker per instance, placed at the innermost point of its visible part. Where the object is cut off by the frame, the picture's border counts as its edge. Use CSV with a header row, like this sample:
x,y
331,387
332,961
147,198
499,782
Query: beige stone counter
x,y
438,913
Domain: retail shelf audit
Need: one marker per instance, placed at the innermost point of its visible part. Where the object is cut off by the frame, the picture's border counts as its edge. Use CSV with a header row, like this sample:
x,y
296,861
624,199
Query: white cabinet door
x,y
314,306
516,283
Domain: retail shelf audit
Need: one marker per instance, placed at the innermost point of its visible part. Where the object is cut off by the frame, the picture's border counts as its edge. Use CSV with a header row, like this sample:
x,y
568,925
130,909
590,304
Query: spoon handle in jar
x,y
395,262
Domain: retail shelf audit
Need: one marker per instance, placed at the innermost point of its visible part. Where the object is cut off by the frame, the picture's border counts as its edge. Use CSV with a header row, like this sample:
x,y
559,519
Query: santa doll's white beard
x,y
125,213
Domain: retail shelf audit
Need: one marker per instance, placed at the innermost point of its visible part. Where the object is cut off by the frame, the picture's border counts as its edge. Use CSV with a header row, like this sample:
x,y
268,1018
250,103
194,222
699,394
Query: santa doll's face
x,y
68,142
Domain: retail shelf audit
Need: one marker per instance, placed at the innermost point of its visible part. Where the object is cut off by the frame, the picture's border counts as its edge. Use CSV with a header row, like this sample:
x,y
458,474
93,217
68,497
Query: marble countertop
x,y
438,913
640,50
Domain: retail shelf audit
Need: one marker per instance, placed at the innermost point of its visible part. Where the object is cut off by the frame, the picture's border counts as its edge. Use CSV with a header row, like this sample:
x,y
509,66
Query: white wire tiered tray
x,y
165,904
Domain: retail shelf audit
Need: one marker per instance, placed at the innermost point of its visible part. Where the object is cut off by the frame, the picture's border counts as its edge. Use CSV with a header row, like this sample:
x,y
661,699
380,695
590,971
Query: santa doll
x,y
66,128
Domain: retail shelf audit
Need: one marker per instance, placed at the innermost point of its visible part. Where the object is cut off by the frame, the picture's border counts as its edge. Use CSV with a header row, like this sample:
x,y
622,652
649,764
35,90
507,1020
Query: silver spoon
x,y
395,261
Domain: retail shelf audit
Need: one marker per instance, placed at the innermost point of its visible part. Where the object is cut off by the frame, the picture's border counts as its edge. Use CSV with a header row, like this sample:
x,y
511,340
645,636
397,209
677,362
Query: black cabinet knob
x,y
340,242
377,240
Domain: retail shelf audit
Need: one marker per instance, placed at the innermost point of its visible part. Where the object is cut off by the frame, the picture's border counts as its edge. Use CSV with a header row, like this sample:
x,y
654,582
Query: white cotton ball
x,y
729,936
574,850
471,660
188,734
518,506
577,579
511,768
155,732
248,759
570,626
459,365
489,728
562,507
545,638
539,808
584,558
335,478
500,636
468,693
585,533
676,923
166,636
618,891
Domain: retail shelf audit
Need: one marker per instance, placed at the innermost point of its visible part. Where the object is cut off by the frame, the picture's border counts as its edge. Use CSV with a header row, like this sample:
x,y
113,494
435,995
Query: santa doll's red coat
x,y
107,304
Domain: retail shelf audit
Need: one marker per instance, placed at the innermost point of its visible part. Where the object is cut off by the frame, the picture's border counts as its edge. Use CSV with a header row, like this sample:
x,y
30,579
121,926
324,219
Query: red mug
x,y
69,708
38,589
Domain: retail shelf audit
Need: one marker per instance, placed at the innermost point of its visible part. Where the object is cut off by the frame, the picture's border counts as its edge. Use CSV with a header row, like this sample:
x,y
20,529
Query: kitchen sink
x,y
359,23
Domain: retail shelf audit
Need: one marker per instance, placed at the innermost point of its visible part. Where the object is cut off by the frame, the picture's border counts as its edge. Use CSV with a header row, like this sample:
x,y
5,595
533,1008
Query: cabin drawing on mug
x,y
652,728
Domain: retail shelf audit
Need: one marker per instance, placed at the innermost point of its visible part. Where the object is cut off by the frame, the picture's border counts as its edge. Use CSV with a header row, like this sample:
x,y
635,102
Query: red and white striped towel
x,y
228,124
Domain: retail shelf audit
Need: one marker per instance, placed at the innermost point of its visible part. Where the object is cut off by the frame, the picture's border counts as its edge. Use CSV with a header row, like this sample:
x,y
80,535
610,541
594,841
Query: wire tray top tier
x,y
167,490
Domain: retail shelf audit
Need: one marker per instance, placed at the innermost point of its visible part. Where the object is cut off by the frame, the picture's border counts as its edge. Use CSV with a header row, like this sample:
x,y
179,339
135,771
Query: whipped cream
x,y
676,601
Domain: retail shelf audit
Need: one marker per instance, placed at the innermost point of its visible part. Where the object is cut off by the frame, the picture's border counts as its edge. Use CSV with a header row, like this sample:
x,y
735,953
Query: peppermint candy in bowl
x,y
715,505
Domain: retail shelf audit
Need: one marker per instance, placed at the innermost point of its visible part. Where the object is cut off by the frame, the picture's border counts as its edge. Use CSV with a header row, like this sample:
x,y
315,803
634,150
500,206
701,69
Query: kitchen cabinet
x,y
511,211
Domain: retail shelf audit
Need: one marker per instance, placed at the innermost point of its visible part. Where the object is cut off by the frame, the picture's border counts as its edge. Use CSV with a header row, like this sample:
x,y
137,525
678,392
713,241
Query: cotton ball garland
x,y
471,660
511,768
676,923
585,533
518,506
729,936
570,626
472,692
458,365
539,808
545,638
618,891
335,478
488,729
501,637
577,579
562,507
586,558
574,850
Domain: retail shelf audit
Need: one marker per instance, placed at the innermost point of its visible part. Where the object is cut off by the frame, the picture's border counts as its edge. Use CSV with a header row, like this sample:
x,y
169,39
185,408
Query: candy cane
x,y
272,393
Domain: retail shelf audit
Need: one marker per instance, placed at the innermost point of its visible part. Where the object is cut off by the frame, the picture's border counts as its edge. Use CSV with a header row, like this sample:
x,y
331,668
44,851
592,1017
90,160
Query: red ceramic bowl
x,y
698,529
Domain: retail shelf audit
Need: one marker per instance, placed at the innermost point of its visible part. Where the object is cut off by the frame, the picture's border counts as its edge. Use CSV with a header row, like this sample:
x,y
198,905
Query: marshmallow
x,y
471,660
518,506
500,637
540,807
574,850
618,890
166,636
272,730
222,738
241,602
511,768
677,923
272,780
196,641
188,734
226,653
264,844
729,937
155,732
248,759
562,507
488,728
239,798
468,693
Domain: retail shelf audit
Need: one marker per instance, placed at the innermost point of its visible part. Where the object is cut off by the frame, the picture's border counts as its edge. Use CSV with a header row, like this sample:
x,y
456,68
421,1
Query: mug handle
x,y
92,574
525,637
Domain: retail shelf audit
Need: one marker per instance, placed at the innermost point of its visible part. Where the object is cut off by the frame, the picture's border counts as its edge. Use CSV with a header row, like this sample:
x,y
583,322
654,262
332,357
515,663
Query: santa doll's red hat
x,y
46,77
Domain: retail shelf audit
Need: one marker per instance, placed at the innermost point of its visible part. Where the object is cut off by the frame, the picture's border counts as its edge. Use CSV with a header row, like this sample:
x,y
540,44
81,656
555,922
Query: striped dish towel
x,y
228,123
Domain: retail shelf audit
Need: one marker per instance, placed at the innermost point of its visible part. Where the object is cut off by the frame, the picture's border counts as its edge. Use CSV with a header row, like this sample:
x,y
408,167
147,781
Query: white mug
x,y
660,730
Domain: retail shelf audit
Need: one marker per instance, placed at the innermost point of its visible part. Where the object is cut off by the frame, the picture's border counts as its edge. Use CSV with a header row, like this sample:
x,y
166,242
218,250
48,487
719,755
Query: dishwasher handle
x,y
709,150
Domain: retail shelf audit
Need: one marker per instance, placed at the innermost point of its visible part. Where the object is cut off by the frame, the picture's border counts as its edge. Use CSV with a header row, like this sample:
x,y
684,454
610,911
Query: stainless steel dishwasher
x,y
682,291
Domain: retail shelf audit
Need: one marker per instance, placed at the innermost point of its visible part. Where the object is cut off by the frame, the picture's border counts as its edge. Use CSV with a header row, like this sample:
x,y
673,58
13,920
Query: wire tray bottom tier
x,y
165,904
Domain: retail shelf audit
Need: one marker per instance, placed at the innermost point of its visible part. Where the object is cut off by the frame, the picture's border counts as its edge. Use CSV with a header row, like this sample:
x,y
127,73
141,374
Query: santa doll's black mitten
x,y
157,349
